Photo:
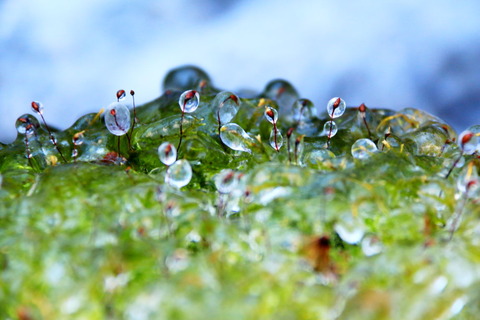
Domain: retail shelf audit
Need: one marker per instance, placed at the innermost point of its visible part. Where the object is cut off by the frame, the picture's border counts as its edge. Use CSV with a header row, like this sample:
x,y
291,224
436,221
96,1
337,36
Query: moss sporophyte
x,y
148,212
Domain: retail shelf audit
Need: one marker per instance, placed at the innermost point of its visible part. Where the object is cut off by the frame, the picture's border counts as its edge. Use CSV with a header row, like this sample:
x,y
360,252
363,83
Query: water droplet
x,y
78,138
184,78
234,137
330,129
189,101
226,181
468,141
363,149
179,174
276,139
302,109
371,246
350,230
167,153
37,107
226,104
26,124
117,118
336,107
283,93
120,95
271,114
178,261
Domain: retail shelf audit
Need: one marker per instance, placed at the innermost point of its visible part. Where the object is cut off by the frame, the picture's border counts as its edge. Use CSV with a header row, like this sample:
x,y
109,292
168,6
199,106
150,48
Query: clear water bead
x,y
336,107
37,107
330,129
371,246
226,181
302,109
283,93
276,140
468,142
271,114
189,101
121,94
167,153
26,124
234,137
179,174
363,149
117,118
226,104
78,138
350,230
184,78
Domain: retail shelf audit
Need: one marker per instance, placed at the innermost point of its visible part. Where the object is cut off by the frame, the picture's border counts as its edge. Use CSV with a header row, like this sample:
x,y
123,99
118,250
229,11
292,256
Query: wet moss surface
x,y
314,231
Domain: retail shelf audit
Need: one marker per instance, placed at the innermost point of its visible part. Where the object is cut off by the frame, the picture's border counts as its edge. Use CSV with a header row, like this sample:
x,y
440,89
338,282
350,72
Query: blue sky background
x,y
74,55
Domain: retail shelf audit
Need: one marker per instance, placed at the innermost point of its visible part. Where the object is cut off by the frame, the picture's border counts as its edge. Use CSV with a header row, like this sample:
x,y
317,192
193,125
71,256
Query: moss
x,y
97,239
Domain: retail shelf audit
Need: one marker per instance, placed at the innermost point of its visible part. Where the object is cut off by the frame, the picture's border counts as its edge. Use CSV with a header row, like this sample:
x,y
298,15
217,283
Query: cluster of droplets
x,y
226,107
38,108
335,108
179,172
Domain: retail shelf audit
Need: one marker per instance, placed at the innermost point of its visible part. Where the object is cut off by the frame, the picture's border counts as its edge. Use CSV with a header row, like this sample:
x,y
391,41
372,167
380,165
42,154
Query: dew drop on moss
x,y
226,181
117,118
26,124
167,153
283,93
302,110
349,230
330,129
226,106
179,174
189,101
184,78
336,107
468,142
234,137
363,149
271,114
276,139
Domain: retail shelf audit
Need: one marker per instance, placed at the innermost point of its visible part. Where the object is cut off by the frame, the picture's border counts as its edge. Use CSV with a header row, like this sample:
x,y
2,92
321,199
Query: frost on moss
x,y
308,232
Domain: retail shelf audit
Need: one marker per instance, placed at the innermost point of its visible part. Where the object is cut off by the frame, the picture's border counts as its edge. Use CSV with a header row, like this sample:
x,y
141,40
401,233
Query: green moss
x,y
90,239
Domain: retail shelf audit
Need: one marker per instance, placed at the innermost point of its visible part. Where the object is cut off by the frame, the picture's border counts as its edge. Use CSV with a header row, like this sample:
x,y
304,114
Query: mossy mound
x,y
309,232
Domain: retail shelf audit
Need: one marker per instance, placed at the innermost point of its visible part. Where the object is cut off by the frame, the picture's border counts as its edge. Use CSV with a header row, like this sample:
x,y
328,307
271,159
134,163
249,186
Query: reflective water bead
x,y
226,104
371,246
302,109
179,174
283,93
184,78
26,124
363,149
117,118
226,181
330,128
189,101
336,107
234,137
78,138
167,153
350,230
468,142
271,114
121,95
37,107
276,139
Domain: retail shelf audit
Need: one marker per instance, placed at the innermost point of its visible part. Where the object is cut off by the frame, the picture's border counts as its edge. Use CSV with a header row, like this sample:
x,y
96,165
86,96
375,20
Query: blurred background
x,y
74,55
